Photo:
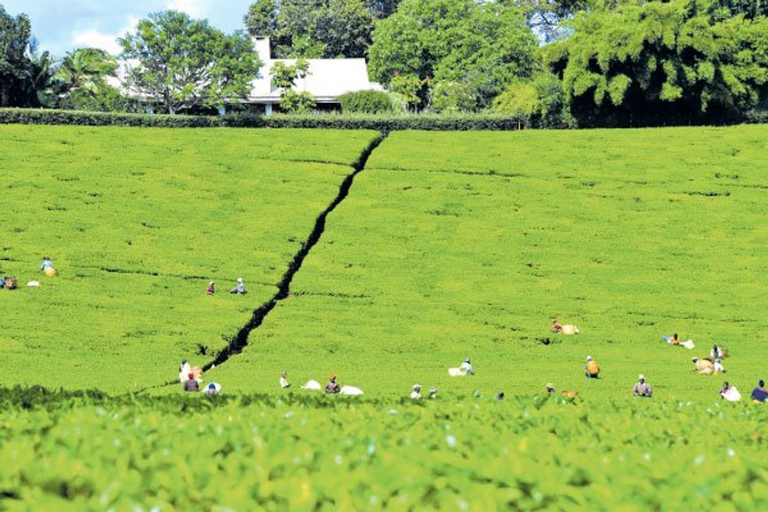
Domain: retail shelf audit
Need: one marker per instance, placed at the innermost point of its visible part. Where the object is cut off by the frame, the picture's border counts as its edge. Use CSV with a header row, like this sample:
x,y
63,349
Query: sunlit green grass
x,y
455,245
138,221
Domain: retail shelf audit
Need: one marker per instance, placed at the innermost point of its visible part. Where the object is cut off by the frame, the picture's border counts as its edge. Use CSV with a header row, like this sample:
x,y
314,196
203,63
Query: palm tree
x,y
86,69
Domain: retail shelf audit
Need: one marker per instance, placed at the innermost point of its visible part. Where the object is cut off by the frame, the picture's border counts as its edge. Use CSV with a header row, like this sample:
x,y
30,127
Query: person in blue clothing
x,y
760,394
46,263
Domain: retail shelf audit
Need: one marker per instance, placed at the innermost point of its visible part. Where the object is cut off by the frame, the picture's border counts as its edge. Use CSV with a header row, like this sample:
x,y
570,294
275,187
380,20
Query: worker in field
x,y
718,366
211,289
416,393
703,366
717,353
212,389
730,393
550,388
591,368
760,394
284,380
466,368
567,329
642,389
47,263
184,370
191,383
332,387
239,287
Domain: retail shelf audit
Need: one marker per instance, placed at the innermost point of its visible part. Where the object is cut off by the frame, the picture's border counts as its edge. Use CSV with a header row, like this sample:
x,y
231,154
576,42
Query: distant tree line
x,y
550,63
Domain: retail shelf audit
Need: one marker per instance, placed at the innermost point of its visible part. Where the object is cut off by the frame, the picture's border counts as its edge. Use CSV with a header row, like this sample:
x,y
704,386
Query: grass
x,y
138,221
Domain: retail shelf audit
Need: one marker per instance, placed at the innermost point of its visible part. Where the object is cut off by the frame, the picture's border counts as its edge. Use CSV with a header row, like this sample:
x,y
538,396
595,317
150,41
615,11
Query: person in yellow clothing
x,y
591,369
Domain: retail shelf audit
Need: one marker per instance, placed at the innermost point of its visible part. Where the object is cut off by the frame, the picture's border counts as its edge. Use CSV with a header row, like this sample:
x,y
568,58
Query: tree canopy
x,y
682,61
313,28
183,63
82,81
482,46
16,67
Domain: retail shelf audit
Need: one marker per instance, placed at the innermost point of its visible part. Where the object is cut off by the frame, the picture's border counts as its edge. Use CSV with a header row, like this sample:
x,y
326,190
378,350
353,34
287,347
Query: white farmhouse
x,y
326,79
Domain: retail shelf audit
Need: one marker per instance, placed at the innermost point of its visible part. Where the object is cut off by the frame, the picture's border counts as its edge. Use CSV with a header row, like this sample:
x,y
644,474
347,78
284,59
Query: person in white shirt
x,y
416,393
184,370
466,367
284,380
641,388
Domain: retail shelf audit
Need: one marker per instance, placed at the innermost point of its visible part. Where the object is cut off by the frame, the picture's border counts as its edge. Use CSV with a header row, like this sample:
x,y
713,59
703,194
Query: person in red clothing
x,y
211,288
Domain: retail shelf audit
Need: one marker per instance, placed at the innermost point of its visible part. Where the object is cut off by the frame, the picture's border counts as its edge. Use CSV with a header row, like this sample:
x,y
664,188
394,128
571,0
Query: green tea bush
x,y
297,102
354,121
302,451
366,102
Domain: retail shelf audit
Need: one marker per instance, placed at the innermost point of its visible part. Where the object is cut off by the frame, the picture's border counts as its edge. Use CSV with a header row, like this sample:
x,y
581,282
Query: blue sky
x,y
61,26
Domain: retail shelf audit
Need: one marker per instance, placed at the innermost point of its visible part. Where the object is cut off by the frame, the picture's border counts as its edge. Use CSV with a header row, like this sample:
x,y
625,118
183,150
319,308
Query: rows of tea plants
x,y
465,245
293,452
138,221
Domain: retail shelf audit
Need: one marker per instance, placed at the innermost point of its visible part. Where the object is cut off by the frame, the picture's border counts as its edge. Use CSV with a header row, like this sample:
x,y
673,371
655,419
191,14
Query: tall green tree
x,y
184,63
480,46
312,28
16,68
681,61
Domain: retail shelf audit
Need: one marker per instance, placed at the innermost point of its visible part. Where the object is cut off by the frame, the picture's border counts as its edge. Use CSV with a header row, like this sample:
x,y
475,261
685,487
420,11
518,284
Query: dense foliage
x,y
368,102
88,451
81,82
23,73
481,46
184,63
379,122
610,62
656,63
312,29
539,102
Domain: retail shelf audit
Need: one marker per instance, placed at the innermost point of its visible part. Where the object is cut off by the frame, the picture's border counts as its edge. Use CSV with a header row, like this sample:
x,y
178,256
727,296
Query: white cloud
x,y
195,8
95,39
107,42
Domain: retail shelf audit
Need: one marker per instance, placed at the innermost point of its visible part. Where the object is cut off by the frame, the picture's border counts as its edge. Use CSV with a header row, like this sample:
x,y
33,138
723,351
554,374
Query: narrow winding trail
x,y
240,340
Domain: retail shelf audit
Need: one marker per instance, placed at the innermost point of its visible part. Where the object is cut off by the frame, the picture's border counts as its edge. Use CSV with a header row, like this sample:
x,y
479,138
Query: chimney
x,y
261,45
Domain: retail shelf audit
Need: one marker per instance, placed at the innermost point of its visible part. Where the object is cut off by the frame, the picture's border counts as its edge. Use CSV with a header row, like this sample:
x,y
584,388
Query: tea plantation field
x,y
138,222
448,246
456,245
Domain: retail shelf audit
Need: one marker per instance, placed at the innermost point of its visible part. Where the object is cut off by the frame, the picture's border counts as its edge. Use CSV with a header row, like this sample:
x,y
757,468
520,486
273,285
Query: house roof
x,y
326,79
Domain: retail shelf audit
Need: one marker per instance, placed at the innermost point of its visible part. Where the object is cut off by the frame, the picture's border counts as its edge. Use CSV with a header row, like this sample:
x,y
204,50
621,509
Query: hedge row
x,y
335,121
757,116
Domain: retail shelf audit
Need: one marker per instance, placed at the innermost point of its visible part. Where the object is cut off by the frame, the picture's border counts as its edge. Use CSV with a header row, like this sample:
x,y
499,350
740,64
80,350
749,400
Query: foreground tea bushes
x,y
297,452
